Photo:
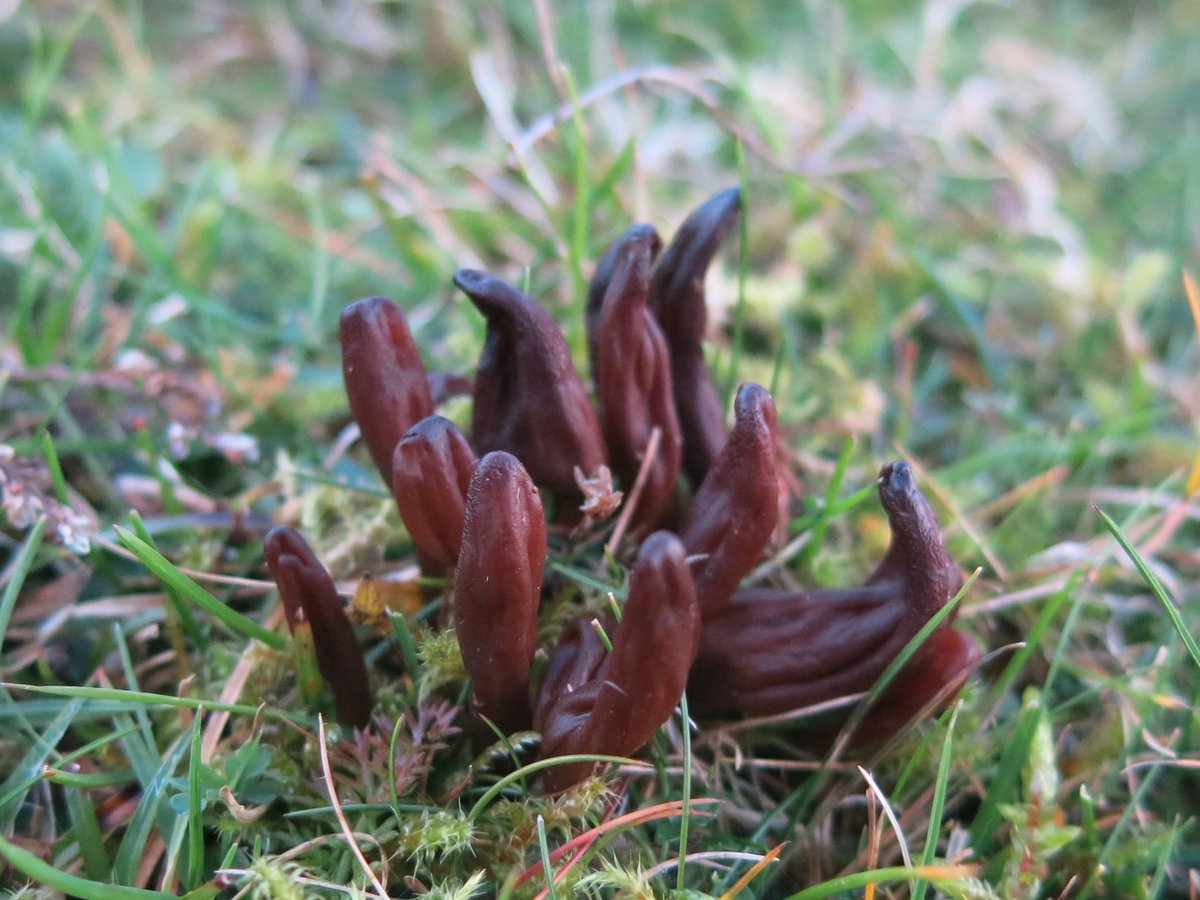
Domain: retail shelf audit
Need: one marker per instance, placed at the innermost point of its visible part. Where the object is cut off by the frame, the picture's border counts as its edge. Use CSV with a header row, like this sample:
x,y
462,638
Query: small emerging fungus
x,y
432,467
308,594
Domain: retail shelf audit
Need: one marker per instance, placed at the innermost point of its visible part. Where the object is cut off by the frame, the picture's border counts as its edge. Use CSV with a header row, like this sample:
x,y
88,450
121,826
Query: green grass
x,y
964,243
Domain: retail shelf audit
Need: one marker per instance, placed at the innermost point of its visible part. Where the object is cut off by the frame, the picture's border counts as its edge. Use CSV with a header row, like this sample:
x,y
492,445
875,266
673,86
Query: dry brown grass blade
x,y
351,836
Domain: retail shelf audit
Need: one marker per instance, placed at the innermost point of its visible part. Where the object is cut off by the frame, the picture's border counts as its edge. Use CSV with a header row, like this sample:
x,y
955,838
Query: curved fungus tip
x,y
431,473
754,402
472,279
494,296
294,567
309,594
528,397
640,234
896,478
678,283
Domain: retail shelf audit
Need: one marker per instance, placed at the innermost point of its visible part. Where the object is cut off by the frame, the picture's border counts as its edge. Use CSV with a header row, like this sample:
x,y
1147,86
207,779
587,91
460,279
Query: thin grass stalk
x,y
739,312
686,725
1156,587
938,806
195,813
17,571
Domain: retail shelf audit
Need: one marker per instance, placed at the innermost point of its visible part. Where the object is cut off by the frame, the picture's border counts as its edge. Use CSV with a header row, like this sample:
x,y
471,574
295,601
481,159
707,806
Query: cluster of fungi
x,y
702,502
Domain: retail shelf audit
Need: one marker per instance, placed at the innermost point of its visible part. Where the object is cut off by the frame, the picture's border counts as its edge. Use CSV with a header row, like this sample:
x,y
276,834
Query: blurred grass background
x,y
967,226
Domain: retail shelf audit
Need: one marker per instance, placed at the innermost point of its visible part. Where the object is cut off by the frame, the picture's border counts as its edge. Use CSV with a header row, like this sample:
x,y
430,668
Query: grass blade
x,y
88,835
147,745
54,465
176,580
137,833
579,237
51,876
937,806
739,314
544,850
26,772
177,608
1154,584
937,874
195,816
18,570
149,699
821,526
686,724
1005,783
1034,637
512,777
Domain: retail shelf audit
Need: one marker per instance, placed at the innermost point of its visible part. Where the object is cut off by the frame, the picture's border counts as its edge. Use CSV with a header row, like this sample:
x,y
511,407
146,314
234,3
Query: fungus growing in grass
x,y
529,400
432,467
309,595
771,650
632,373
384,376
499,584
736,508
595,701
754,651
677,301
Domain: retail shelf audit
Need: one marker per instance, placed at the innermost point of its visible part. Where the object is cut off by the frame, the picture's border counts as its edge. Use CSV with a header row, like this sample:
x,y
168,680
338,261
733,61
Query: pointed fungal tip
x,y
721,208
897,478
641,234
501,466
429,428
470,279
644,233
728,197
492,295
754,401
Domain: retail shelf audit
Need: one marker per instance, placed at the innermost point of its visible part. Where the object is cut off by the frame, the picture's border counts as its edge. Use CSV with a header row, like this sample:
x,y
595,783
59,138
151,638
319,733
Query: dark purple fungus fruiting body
x,y
309,593
632,372
757,651
499,582
592,701
602,277
736,508
431,473
384,376
677,302
529,400
768,651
